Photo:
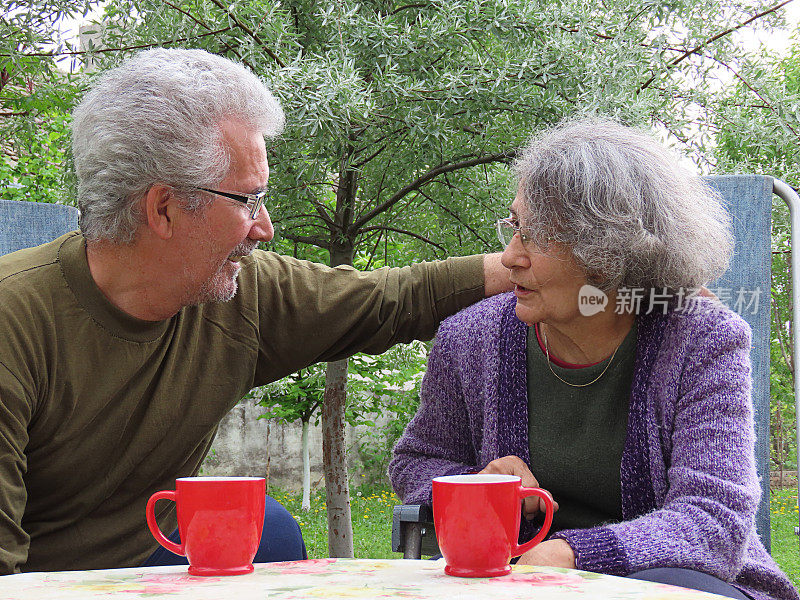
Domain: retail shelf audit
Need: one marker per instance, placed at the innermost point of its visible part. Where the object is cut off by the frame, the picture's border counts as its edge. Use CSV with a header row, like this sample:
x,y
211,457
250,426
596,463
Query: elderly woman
x,y
635,415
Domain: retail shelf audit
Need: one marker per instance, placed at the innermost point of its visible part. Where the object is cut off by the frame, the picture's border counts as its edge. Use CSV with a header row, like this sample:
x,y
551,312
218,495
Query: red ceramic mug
x,y
219,522
477,521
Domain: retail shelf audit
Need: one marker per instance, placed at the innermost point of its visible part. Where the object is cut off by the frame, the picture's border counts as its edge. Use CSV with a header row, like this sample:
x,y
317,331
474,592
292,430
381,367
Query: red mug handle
x,y
548,518
150,512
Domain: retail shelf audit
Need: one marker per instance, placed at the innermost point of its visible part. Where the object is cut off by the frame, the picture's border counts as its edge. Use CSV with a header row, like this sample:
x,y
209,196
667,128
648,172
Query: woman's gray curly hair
x,y
630,214
155,119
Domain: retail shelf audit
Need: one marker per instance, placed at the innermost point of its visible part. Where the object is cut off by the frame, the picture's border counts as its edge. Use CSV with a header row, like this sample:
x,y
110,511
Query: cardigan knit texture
x,y
689,484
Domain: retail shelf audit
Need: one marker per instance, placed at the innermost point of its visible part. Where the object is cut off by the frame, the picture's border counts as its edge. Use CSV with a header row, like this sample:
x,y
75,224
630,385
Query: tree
x,y
383,393
296,398
381,390
37,92
403,115
757,130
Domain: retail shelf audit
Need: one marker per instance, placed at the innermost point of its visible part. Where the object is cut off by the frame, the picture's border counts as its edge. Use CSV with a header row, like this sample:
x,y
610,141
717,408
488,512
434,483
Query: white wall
x,y
246,445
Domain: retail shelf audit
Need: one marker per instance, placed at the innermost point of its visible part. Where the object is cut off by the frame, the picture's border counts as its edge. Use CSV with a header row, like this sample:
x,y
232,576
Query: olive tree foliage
x,y
399,113
402,116
37,91
757,130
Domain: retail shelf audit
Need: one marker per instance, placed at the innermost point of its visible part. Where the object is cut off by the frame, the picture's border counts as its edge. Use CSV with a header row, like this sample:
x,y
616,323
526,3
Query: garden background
x,y
402,119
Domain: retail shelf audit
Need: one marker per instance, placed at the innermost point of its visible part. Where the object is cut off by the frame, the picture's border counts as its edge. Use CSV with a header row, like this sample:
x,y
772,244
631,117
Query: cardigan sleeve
x,y
706,432
438,440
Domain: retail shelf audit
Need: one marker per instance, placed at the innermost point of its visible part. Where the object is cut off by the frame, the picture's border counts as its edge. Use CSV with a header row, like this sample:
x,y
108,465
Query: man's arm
x,y
14,418
311,313
495,275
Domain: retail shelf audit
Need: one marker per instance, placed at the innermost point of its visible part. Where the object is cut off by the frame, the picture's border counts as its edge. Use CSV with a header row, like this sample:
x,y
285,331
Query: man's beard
x,y
220,287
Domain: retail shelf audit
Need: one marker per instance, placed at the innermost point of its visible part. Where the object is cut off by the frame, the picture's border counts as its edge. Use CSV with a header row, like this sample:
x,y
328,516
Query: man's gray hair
x,y
156,119
630,214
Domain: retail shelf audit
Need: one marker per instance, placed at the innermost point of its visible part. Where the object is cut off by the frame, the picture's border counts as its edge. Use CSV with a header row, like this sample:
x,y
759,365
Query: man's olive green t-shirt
x,y
98,409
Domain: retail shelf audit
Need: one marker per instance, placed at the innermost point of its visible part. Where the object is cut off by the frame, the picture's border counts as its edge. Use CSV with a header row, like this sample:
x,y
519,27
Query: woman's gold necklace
x,y
577,385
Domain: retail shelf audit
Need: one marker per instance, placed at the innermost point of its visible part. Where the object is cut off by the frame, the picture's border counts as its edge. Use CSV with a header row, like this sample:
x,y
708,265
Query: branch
x,y
407,6
436,171
120,49
683,139
253,34
405,232
328,227
320,208
606,37
374,252
597,34
394,132
713,39
188,14
455,216
636,16
787,358
207,28
307,239
757,93
360,164
389,162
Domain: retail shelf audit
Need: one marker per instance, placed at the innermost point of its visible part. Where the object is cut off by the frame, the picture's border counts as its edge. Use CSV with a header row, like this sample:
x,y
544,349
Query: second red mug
x,y
219,521
477,521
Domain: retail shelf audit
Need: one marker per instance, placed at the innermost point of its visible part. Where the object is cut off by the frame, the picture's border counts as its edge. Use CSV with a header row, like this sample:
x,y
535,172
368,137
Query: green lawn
x,y
785,550
372,522
372,525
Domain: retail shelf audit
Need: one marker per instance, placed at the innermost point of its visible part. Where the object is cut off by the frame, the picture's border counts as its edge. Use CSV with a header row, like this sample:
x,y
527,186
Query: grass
x,y
785,548
371,512
372,525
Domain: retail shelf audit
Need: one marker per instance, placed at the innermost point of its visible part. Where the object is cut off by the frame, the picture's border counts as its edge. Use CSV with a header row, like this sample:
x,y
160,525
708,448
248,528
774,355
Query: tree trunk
x,y
334,459
334,449
269,458
306,505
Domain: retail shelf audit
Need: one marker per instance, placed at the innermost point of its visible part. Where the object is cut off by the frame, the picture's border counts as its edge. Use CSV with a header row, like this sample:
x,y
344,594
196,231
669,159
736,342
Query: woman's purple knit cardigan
x,y
689,484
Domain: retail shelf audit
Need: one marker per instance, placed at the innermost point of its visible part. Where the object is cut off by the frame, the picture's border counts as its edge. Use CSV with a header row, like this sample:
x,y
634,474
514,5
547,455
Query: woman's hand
x,y
514,465
552,553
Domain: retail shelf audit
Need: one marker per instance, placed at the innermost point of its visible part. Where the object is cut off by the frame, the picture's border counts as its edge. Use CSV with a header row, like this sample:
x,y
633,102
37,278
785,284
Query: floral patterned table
x,y
336,578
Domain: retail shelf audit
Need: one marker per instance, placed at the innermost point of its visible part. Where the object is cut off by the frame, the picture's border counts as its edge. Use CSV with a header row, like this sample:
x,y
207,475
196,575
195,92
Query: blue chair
x,y
749,201
746,288
28,224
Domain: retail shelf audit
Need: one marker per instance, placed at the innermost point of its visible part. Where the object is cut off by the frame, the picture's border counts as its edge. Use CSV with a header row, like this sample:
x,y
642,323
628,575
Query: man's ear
x,y
160,207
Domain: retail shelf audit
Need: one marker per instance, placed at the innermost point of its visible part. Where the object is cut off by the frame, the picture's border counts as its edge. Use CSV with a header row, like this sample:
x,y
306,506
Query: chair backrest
x,y
28,224
746,288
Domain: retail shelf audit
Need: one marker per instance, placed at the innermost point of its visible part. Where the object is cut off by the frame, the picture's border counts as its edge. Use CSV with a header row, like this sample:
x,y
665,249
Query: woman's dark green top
x,y
576,434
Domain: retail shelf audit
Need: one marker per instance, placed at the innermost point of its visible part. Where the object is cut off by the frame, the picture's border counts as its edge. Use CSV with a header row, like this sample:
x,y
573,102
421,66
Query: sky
x,y
775,40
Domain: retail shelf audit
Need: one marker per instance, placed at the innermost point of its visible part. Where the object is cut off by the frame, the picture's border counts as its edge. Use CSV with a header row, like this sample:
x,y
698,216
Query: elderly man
x,y
125,344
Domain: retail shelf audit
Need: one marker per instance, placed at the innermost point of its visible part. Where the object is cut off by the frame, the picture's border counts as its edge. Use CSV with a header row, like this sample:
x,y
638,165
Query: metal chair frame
x,y
786,193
